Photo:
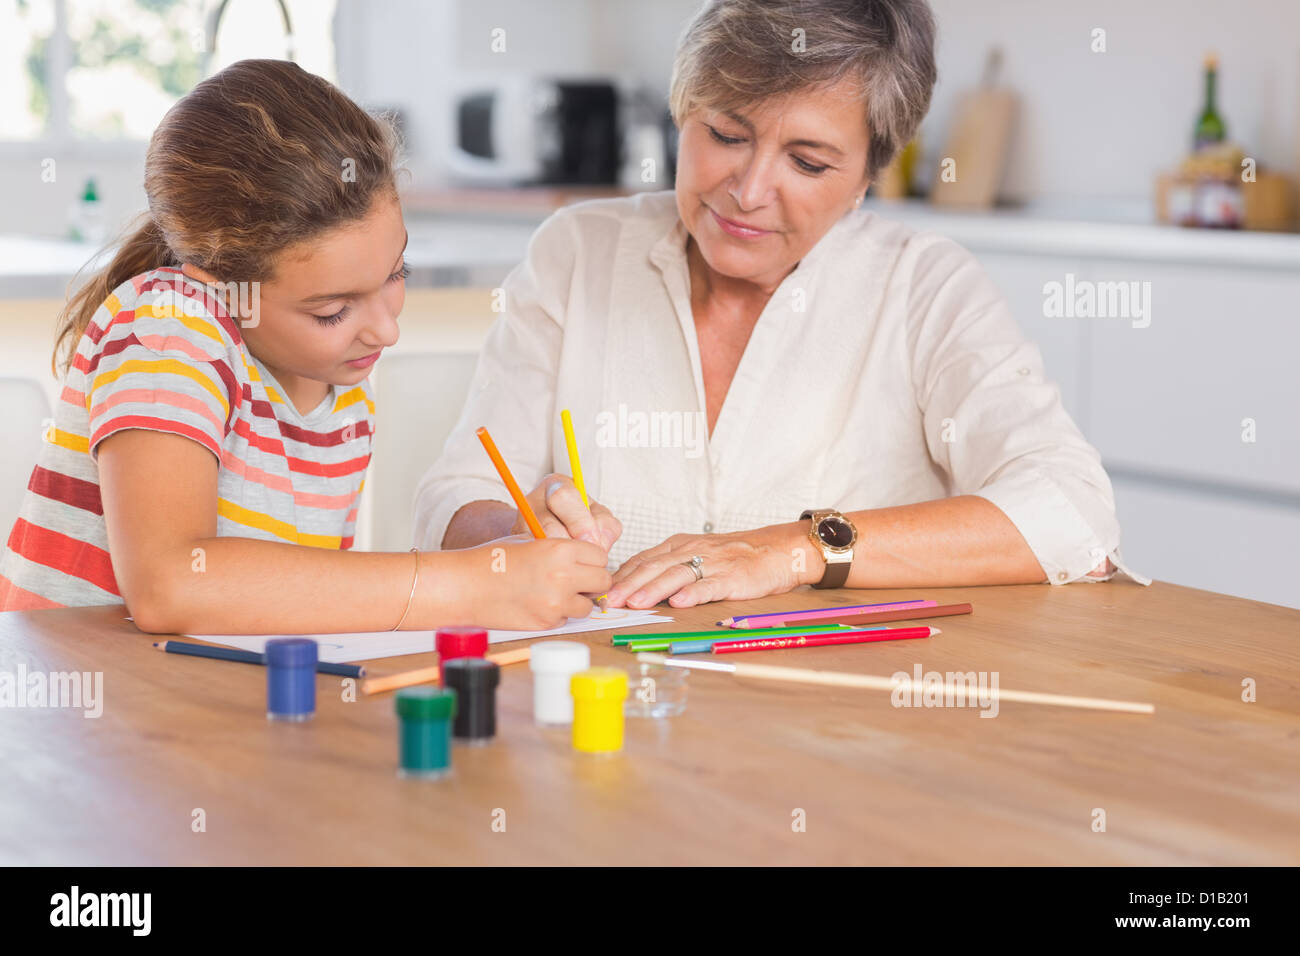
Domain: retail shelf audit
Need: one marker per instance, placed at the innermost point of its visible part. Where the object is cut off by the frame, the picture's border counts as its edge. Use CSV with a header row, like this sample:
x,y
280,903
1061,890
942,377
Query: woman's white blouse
x,y
885,369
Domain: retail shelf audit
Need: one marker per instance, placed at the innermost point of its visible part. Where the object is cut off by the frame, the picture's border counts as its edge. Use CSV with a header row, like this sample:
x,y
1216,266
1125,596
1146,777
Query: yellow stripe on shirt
x,y
272,396
189,321
67,440
169,366
281,529
351,397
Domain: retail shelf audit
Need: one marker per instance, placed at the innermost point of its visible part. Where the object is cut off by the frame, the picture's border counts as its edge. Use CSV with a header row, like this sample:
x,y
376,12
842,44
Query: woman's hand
x,y
559,508
737,567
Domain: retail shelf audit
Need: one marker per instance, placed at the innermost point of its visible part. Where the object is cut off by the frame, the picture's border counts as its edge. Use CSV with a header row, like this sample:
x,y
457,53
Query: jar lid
x,y
426,703
291,652
461,641
599,683
558,657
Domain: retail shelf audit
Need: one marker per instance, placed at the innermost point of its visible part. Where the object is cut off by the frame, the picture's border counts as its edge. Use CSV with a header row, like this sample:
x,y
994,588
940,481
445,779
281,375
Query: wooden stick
x,y
429,675
872,682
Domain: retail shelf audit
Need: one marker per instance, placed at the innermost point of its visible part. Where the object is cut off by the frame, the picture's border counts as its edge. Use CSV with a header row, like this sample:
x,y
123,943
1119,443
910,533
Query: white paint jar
x,y
552,664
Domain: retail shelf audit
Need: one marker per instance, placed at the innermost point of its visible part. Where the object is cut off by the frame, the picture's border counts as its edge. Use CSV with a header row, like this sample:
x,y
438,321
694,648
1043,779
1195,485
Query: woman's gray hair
x,y
737,52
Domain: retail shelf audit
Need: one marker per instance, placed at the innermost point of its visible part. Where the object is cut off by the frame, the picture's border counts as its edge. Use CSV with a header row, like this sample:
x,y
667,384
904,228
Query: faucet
x,y
214,21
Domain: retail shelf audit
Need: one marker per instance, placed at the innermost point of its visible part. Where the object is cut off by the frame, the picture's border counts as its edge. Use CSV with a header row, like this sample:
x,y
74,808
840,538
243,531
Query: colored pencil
x,y
249,657
902,614
725,635
707,645
574,464
652,644
429,675
800,675
823,640
516,656
379,685
755,620
512,486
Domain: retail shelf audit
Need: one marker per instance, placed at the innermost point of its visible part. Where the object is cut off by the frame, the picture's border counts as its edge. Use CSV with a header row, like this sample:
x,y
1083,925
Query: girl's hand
x,y
737,567
518,583
559,508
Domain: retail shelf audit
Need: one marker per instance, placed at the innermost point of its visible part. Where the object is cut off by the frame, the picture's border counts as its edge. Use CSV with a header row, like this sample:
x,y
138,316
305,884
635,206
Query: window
x,y
26,27
109,69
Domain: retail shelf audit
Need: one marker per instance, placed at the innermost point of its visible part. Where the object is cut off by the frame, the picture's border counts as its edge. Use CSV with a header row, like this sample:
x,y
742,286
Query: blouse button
x,y
1061,575
708,527
1024,371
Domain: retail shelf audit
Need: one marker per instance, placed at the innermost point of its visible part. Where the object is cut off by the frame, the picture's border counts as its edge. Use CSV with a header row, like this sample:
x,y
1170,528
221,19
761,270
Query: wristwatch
x,y
834,536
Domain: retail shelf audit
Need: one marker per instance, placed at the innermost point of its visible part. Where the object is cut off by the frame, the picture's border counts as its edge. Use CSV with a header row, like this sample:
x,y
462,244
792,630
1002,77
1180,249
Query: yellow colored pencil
x,y
574,464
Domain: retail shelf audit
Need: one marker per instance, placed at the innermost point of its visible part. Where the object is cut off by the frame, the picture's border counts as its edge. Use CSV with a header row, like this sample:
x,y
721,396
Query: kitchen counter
x,y
474,237
441,253
1111,232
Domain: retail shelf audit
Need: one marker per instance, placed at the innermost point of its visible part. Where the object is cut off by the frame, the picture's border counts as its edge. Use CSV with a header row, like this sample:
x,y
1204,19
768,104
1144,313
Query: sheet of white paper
x,y
347,648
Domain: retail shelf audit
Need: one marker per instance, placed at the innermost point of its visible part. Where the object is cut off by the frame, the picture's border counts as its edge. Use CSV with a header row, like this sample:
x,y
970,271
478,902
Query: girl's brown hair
x,y
257,158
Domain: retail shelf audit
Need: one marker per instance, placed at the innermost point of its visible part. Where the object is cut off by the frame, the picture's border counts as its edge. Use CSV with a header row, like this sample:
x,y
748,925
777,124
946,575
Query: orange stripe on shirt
x,y
14,598
80,559
349,467
238,466
174,343
152,396
272,446
164,367
148,423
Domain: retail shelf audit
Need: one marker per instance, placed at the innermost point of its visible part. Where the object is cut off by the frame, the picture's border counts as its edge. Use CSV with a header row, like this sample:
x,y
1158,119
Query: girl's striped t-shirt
x,y
162,353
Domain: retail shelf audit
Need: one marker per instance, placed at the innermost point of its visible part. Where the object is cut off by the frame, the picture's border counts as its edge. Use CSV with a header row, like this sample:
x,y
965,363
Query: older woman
x,y
772,387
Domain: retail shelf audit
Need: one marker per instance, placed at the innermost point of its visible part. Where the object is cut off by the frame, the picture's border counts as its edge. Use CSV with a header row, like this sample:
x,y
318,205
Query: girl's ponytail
x,y
143,249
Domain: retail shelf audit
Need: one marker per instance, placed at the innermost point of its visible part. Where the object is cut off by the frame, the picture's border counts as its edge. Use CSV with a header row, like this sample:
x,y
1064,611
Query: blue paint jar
x,y
291,679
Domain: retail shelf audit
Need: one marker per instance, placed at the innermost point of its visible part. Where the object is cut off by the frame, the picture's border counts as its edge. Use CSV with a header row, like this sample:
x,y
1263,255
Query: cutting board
x,y
977,144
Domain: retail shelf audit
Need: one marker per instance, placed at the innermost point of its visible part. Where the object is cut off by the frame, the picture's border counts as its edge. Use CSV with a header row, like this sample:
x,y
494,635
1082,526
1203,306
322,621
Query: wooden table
x,y
1207,779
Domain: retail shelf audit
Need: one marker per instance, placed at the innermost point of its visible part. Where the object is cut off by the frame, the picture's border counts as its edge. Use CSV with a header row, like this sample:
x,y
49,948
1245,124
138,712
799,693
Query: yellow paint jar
x,y
598,695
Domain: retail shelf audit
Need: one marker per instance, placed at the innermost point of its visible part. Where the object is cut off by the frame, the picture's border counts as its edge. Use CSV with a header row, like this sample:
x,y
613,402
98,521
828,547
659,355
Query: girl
x,y
216,421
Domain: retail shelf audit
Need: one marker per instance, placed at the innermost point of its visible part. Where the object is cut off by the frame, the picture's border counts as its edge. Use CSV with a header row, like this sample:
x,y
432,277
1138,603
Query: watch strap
x,y
836,574
837,565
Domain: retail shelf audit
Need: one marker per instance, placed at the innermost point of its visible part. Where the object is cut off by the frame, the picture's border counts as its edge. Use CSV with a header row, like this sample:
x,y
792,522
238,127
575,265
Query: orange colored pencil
x,y
429,675
379,685
516,656
512,486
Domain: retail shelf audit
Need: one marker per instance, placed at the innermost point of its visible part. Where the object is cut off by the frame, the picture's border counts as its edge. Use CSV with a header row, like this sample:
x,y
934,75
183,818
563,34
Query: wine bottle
x,y
1209,127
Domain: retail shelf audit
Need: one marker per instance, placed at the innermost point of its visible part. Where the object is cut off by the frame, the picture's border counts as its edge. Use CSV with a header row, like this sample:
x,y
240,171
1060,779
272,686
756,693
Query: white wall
x,y
1093,127
1102,124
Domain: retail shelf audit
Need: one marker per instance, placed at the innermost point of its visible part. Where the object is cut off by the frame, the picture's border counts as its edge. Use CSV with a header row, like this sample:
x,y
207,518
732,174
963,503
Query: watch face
x,y
835,532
